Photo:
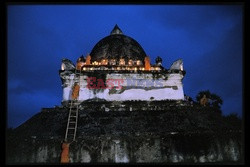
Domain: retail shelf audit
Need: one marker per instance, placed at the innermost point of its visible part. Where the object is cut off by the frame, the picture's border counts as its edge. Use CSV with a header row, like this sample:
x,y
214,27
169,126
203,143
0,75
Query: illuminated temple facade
x,y
118,69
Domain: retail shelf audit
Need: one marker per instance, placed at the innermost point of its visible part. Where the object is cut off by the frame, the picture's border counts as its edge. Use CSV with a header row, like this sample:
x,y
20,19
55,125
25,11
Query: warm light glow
x,y
130,62
135,68
62,66
147,63
88,58
84,69
118,68
104,62
112,62
122,62
138,62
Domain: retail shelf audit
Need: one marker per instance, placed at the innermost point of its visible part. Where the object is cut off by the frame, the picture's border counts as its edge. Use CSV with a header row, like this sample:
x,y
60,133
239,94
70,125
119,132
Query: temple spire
x,y
116,30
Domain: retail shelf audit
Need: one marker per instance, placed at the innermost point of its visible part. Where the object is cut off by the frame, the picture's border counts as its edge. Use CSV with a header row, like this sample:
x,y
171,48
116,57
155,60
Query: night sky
x,y
207,37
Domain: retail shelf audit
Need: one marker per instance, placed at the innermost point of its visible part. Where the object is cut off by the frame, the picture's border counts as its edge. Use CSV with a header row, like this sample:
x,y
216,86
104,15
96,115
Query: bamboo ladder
x,y
71,129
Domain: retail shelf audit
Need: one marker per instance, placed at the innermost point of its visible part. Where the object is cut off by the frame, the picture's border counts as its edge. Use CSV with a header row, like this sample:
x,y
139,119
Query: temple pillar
x,y
147,63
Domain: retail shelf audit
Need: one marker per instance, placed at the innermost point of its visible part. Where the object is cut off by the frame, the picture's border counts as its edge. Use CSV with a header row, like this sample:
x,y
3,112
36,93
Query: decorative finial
x,y
116,30
158,61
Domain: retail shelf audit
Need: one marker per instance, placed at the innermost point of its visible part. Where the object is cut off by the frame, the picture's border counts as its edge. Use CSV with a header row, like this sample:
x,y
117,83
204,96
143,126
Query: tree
x,y
201,94
215,100
234,121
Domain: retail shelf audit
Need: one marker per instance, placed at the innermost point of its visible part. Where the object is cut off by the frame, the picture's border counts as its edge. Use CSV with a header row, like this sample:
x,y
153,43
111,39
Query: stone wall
x,y
132,131
169,148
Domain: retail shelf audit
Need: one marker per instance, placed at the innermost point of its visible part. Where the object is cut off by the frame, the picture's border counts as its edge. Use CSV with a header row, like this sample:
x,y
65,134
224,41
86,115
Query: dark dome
x,y
116,46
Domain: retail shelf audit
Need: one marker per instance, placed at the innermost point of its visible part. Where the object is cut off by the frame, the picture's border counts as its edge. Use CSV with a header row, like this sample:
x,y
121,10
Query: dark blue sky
x,y
207,37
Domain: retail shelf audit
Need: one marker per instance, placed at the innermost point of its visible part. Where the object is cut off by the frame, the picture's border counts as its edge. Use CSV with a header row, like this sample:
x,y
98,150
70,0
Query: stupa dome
x,y
117,46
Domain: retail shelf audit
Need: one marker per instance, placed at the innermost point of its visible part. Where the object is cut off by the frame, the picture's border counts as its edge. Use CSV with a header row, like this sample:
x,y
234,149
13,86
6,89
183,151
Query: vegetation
x,y
231,121
214,100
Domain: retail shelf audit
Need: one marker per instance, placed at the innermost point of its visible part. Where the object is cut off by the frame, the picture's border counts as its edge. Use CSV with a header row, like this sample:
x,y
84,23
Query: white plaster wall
x,y
66,93
162,88
140,94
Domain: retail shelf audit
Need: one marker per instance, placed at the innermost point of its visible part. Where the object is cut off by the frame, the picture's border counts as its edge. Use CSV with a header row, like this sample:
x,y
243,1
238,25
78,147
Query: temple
x,y
118,69
119,107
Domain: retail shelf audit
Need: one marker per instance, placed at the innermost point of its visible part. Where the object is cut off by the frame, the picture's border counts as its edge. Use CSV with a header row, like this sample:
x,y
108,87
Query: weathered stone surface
x,y
165,132
67,65
177,65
